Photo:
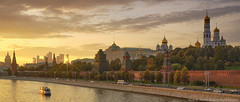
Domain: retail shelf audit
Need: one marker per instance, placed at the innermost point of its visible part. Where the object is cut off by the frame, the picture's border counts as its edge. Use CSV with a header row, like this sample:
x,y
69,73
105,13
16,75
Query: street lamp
x,y
207,78
54,75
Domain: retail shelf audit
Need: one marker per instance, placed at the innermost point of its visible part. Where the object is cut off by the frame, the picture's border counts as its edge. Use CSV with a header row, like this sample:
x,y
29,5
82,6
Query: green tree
x,y
176,66
177,59
177,76
184,75
206,64
171,77
159,77
198,83
208,51
220,53
104,76
232,55
189,62
111,75
115,64
200,61
159,60
175,51
180,53
146,76
124,75
220,65
135,64
151,64
212,65
131,75
152,77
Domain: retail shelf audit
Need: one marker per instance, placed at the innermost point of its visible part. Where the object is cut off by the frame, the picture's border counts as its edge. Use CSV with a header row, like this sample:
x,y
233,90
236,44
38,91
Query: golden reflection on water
x,y
28,91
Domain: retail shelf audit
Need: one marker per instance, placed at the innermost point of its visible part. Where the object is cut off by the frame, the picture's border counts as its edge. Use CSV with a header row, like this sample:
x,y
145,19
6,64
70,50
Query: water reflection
x,y
44,97
28,91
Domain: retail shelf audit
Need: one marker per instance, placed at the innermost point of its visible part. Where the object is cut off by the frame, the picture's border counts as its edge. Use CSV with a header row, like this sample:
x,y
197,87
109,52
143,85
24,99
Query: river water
x,y
29,91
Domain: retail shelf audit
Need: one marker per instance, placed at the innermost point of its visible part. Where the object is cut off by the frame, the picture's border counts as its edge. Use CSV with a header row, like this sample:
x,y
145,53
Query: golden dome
x,y
197,44
216,30
164,40
139,49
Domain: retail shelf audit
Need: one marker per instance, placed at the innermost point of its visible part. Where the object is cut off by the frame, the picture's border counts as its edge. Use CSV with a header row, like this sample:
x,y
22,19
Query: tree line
x,y
191,57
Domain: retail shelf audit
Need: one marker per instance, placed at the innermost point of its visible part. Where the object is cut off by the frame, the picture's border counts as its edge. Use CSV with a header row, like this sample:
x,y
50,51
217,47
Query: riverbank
x,y
186,94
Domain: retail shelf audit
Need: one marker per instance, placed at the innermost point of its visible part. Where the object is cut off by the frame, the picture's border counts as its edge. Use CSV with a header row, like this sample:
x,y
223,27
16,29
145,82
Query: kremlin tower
x,y
14,65
8,61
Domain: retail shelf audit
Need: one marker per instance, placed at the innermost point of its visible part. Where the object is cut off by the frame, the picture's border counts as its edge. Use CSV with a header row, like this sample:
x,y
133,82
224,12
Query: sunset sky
x,y
81,27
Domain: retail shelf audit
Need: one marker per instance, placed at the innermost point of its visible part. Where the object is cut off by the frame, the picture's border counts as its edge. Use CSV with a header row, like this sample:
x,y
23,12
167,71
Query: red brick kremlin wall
x,y
221,77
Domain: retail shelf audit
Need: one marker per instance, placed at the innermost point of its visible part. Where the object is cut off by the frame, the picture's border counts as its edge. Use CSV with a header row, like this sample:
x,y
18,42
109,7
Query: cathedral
x,y
164,47
207,35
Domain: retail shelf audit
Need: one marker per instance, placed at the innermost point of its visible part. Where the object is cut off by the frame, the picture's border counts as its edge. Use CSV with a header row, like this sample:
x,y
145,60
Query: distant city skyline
x,y
80,28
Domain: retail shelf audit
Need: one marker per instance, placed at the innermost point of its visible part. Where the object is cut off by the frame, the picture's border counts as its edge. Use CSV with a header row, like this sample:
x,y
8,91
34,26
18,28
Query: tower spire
x,y
14,65
206,12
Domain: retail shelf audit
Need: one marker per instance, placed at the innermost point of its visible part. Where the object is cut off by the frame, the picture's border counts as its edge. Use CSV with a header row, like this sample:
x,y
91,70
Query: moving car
x,y
217,91
180,88
208,89
234,91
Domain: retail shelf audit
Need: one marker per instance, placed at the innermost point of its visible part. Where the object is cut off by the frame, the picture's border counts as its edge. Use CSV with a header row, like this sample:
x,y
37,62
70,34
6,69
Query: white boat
x,y
45,91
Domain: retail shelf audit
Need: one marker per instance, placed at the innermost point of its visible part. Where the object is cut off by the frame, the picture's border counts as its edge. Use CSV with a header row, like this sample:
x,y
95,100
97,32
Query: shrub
x,y
198,83
228,64
159,77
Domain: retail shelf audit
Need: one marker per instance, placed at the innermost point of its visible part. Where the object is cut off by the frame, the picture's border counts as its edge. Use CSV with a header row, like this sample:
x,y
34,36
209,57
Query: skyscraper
x,y
38,59
49,56
34,60
60,58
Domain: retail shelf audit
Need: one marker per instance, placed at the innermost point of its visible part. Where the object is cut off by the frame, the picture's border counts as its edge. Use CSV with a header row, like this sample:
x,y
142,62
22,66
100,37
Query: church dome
x,y
164,40
197,44
216,30
113,47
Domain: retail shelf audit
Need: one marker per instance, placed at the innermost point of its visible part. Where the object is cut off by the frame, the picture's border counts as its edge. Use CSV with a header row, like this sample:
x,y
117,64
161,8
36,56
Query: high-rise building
x,y
7,61
49,56
38,59
60,58
34,60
